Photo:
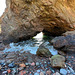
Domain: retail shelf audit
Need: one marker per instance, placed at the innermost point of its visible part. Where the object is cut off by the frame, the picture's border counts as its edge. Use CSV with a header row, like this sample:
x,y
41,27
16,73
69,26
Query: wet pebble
x,y
41,73
11,65
33,64
48,72
20,68
4,72
36,73
63,71
22,65
37,63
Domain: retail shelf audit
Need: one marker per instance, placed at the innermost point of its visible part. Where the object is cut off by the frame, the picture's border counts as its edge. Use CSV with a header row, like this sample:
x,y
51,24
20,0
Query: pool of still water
x,y
32,45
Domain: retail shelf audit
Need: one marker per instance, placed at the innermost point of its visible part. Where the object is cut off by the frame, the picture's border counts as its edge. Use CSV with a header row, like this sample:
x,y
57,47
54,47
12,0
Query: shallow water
x,y
31,45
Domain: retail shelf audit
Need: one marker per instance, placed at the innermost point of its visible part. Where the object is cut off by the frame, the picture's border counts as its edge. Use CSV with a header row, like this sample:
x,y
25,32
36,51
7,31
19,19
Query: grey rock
x,y
37,63
36,73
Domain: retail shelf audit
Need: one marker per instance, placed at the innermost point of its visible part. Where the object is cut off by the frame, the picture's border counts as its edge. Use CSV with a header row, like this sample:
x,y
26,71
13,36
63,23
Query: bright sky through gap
x,y
2,6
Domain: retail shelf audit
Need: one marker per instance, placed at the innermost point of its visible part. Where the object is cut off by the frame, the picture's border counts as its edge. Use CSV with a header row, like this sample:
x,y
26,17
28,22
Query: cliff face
x,y
24,18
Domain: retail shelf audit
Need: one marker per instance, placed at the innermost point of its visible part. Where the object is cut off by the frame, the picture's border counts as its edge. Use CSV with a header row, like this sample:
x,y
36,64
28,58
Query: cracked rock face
x,y
24,18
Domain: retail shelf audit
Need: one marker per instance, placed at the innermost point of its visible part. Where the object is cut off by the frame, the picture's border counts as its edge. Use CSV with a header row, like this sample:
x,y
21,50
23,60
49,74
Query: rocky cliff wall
x,y
24,18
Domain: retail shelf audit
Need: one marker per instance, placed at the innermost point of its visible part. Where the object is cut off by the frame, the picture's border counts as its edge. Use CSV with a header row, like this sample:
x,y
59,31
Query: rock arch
x,y
25,18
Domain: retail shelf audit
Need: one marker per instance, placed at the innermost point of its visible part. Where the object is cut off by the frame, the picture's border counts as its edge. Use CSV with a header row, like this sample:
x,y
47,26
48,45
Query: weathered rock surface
x,y
42,51
24,18
65,43
58,61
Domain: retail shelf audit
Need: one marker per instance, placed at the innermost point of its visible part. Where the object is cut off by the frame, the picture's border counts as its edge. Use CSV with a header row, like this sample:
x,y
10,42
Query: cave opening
x,y
2,6
2,9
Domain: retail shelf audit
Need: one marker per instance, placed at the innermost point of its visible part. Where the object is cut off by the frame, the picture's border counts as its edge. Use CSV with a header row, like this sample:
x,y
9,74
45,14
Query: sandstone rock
x,y
58,61
24,18
42,51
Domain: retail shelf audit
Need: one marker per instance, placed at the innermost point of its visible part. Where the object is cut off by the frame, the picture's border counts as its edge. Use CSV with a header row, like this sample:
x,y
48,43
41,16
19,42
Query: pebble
x,y
36,73
8,70
37,63
41,73
22,65
63,71
4,72
2,61
26,64
45,62
8,61
48,72
20,68
33,64
14,70
11,65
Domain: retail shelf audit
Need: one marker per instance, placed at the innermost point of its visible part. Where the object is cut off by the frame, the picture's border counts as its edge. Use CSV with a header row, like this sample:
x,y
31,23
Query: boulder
x,y
58,61
23,19
42,51
65,43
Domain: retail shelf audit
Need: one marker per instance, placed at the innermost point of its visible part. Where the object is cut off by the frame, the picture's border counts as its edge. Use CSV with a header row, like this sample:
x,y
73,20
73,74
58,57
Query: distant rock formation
x,y
25,18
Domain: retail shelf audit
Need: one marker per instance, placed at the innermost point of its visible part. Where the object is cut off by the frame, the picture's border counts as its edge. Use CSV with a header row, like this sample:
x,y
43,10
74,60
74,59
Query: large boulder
x,y
66,42
25,18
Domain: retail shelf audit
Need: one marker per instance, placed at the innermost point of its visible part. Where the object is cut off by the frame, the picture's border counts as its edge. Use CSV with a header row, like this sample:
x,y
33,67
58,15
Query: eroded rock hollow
x,y
24,18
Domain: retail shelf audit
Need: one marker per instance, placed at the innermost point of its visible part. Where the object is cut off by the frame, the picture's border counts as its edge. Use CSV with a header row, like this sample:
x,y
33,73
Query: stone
x,y
14,70
64,43
2,61
8,70
8,61
41,73
4,72
27,64
48,72
42,51
22,65
37,63
11,65
33,64
31,17
63,71
36,73
20,68
58,61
